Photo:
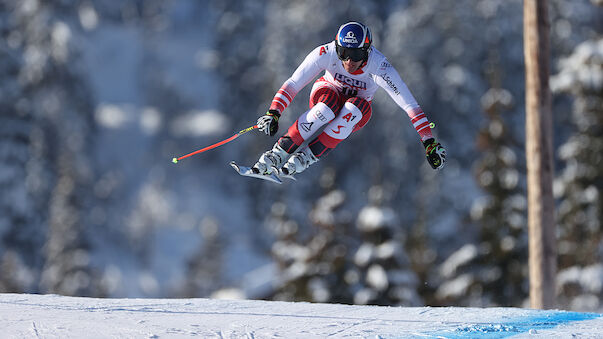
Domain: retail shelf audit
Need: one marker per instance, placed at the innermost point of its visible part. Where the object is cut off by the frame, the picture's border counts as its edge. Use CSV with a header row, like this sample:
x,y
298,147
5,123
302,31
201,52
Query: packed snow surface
x,y
53,316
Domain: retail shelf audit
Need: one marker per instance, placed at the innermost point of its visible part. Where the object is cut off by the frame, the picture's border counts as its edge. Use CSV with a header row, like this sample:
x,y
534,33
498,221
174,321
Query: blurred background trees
x,y
580,183
97,96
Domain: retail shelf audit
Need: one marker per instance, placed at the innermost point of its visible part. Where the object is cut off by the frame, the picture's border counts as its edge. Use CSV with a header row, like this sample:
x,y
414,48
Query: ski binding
x,y
288,176
247,172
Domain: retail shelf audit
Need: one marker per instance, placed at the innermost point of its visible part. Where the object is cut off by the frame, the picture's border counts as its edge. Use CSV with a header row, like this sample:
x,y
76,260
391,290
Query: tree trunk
x,y
539,157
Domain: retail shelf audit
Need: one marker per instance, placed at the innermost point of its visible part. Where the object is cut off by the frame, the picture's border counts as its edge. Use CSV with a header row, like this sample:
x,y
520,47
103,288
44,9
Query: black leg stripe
x,y
286,143
319,149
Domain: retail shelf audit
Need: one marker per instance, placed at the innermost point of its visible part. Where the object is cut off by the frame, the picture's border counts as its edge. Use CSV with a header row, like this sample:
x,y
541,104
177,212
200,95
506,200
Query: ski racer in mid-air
x,y
340,103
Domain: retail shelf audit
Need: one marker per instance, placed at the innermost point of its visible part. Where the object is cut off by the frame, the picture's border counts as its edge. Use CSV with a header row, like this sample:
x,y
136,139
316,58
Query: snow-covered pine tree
x,y
20,247
204,269
492,271
313,260
312,267
579,184
49,122
382,274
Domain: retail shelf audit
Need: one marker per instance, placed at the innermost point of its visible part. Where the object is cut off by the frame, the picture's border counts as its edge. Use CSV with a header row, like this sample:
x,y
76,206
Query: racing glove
x,y
268,123
435,153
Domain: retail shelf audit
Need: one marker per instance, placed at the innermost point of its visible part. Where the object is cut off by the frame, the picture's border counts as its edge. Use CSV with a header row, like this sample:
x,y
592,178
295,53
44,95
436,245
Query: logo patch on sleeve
x,y
323,50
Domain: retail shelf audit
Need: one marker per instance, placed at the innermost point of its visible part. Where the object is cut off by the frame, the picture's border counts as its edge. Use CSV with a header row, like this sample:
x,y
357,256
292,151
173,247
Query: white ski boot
x,y
270,161
298,162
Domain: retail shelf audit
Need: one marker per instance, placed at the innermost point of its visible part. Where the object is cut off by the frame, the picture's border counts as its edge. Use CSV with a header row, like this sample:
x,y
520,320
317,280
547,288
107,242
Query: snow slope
x,y
51,316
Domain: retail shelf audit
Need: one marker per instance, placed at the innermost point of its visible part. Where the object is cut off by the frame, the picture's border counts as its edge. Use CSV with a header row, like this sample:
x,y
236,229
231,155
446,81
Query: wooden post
x,y
539,157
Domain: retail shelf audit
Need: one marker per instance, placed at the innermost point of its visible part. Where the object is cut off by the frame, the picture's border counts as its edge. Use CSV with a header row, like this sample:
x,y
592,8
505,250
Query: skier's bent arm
x,y
389,79
312,65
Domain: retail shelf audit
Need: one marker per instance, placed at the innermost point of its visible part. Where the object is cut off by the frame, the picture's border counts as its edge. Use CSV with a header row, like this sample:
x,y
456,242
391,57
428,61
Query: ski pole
x,y
175,160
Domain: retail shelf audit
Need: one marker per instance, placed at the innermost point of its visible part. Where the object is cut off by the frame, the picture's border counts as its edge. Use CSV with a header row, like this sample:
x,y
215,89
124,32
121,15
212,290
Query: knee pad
x,y
311,121
343,125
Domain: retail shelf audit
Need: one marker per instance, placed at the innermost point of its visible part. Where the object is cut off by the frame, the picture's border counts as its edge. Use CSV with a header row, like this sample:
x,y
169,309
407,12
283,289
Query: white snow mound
x,y
27,316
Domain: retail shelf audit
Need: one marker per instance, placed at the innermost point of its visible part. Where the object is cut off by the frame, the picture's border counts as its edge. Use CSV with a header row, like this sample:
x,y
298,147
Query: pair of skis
x,y
242,170
248,172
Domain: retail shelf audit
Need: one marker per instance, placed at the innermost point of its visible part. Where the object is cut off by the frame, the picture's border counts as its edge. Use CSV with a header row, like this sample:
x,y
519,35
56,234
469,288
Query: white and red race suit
x,y
342,99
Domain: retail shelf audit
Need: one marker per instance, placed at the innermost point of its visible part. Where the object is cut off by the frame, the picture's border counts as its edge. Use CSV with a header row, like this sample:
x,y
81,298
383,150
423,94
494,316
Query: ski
x,y
288,176
247,172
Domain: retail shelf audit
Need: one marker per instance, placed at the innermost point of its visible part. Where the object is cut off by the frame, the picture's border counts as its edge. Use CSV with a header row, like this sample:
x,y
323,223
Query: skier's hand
x,y
268,123
435,153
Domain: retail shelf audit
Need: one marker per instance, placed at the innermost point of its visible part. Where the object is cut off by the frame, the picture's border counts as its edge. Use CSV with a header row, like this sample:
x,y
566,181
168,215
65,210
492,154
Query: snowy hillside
x,y
24,315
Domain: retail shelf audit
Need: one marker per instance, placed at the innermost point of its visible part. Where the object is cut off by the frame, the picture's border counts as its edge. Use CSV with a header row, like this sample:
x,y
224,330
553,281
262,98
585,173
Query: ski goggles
x,y
354,54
